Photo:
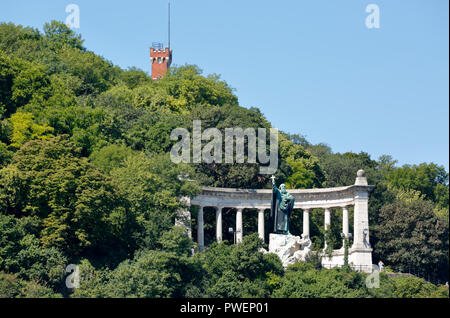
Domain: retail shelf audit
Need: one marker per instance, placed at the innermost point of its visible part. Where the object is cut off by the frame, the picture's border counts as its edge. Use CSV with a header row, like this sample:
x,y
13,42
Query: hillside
x,y
86,178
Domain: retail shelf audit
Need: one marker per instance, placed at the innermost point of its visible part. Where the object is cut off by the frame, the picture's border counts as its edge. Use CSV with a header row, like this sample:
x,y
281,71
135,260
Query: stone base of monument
x,y
289,248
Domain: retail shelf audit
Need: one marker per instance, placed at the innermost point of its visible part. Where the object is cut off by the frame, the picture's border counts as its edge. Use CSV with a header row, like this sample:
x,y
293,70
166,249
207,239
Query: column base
x,y
358,259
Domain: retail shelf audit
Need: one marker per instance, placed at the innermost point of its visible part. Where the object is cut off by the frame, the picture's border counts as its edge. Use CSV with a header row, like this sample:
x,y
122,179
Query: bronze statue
x,y
281,208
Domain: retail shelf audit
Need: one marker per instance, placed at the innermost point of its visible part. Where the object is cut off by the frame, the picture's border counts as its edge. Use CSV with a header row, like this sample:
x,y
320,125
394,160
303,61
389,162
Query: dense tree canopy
x,y
412,237
86,178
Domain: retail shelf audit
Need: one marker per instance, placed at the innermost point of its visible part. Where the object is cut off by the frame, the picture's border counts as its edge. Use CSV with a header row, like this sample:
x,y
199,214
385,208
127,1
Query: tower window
x,y
159,60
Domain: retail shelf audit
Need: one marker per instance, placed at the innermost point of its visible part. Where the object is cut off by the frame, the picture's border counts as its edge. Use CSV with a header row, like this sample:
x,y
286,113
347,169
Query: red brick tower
x,y
161,60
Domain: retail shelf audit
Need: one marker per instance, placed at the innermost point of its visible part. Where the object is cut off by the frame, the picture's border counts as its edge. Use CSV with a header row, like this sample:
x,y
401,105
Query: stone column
x,y
219,224
306,224
327,223
361,213
239,229
361,252
361,221
261,223
344,224
200,233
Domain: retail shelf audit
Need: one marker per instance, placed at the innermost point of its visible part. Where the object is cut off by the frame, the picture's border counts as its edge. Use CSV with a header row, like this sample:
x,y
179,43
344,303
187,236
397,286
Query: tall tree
x,y
412,238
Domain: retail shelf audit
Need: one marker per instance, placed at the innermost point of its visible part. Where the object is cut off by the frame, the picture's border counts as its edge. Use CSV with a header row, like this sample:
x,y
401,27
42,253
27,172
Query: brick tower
x,y
161,60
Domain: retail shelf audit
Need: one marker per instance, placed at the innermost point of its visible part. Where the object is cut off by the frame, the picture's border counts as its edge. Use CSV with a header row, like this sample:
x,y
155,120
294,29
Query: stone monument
x,y
289,248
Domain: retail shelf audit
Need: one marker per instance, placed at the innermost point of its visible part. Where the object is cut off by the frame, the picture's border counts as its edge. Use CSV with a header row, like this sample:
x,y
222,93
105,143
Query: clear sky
x,y
312,67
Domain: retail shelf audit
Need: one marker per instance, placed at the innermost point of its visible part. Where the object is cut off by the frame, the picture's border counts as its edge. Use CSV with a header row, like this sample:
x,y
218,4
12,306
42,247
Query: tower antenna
x,y
169,25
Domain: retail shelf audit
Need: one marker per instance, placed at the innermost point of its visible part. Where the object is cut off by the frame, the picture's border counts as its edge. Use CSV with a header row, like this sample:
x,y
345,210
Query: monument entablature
x,y
260,198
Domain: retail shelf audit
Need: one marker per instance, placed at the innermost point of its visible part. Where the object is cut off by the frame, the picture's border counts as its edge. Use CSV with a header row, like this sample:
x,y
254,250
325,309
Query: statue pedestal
x,y
289,248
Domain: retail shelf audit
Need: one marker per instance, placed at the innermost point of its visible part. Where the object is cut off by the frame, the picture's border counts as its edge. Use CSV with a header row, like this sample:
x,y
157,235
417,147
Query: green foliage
x,y
135,77
189,88
85,177
92,281
12,36
7,74
59,34
176,241
12,287
403,286
239,270
22,253
31,85
151,132
44,265
152,186
24,129
301,177
5,154
424,178
152,273
79,207
302,280
412,237
304,169
110,157
22,83
340,169
96,74
414,287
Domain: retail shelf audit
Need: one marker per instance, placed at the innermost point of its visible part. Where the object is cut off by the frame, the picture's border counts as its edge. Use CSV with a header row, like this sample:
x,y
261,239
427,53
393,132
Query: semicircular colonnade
x,y
356,195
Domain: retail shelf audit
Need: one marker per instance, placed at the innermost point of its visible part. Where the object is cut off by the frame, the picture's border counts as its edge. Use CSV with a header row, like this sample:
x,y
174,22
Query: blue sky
x,y
312,67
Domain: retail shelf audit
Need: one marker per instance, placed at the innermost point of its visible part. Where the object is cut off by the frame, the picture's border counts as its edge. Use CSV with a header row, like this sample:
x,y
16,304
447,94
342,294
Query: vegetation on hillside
x,y
86,178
